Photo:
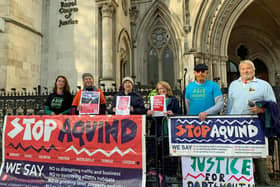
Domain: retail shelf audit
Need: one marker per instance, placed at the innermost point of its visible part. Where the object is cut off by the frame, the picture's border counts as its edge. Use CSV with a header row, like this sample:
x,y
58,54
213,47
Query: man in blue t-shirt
x,y
203,96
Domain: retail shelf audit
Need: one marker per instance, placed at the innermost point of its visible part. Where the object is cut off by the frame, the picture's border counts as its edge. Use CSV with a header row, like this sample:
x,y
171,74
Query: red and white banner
x,y
88,150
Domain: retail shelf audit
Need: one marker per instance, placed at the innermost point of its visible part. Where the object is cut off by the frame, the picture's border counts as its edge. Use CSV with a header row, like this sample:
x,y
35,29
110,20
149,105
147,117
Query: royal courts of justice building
x,y
150,40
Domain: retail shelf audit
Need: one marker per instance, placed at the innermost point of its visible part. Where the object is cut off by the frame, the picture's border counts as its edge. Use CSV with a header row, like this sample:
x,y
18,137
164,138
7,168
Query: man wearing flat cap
x,y
203,96
136,101
88,86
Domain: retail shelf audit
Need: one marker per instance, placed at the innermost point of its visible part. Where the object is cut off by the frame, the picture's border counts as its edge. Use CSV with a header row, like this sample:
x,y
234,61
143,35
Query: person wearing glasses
x,y
160,130
203,96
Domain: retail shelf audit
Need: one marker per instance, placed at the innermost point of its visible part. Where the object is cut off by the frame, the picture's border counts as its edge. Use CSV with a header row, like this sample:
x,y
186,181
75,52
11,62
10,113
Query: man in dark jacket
x,y
136,101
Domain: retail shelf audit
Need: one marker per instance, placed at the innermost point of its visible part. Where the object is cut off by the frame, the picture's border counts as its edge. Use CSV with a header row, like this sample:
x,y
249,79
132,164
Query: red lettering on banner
x,y
86,140
193,131
181,130
190,133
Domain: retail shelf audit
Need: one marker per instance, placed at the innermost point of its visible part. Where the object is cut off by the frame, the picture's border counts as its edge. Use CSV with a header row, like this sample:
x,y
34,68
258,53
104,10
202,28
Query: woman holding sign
x,y
89,100
127,101
163,104
60,101
169,105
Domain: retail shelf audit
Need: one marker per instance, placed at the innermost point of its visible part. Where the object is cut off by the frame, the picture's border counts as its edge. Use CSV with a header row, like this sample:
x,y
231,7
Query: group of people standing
x,y
203,97
61,102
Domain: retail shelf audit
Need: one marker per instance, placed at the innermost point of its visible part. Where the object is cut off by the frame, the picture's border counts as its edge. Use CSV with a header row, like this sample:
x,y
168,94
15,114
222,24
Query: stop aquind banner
x,y
222,136
98,151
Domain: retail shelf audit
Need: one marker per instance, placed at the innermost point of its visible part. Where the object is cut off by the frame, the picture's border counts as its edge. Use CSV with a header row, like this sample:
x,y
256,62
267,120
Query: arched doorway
x,y
261,70
223,27
255,37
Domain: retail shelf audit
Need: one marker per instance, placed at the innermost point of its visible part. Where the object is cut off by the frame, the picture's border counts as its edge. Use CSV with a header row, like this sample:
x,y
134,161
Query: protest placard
x,y
123,105
158,105
89,102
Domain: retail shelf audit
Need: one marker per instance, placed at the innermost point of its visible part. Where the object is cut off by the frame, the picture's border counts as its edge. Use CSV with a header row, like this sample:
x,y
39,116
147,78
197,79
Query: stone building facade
x,y
150,40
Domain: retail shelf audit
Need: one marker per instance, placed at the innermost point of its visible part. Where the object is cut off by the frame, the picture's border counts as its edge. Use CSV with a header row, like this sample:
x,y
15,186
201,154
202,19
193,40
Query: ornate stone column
x,y
107,39
133,14
107,10
223,62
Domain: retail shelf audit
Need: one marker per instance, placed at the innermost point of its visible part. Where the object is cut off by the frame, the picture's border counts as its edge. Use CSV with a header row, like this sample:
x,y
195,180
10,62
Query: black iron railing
x,y
158,163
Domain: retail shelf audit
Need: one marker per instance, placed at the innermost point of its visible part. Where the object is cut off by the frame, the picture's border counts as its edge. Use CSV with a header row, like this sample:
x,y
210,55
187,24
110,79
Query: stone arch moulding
x,y
264,41
123,46
173,25
213,26
219,35
212,31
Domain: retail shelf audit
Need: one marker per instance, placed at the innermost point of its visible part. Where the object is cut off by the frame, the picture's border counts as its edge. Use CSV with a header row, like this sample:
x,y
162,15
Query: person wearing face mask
x,y
203,96
88,86
136,101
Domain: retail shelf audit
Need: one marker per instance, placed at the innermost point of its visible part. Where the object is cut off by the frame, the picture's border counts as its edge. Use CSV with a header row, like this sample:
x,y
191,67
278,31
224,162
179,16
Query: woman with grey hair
x,y
88,82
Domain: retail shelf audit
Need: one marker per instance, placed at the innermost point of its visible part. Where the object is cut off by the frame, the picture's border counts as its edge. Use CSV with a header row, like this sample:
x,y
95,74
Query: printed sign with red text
x,y
158,105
